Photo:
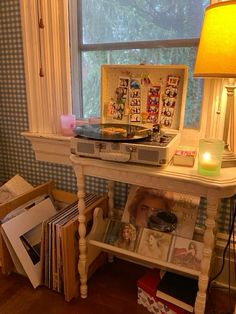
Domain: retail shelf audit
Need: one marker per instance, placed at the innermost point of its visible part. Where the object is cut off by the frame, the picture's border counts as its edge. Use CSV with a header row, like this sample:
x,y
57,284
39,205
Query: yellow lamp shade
x,y
216,56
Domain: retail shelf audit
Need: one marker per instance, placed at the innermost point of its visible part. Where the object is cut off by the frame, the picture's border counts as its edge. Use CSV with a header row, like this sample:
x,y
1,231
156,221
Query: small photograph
x,y
186,253
171,91
166,122
135,93
124,82
154,91
122,235
152,119
135,109
135,118
173,80
135,84
154,244
168,112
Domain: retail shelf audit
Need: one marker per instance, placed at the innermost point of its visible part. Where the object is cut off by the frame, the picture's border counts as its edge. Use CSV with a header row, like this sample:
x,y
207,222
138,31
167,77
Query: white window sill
x,y
50,147
55,148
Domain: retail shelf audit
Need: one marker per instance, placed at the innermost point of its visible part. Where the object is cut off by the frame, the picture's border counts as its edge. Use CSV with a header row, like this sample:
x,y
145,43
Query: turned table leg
x,y
82,233
208,242
110,188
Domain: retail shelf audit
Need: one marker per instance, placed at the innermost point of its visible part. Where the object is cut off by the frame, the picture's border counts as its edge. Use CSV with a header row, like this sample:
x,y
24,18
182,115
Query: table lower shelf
x,y
95,243
144,260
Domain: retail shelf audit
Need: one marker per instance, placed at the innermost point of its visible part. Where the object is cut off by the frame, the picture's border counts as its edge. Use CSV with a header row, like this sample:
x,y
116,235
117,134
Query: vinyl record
x,y
112,132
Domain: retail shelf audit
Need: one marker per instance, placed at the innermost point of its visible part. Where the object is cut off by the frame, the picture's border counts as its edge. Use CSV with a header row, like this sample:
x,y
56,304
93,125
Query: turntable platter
x,y
112,132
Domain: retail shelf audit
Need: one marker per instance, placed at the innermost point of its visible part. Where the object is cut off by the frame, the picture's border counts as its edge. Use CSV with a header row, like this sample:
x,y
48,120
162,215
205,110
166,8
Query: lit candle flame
x,y
206,156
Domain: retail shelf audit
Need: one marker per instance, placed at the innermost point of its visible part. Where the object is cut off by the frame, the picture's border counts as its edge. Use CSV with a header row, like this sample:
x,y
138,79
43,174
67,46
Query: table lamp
x,y
216,58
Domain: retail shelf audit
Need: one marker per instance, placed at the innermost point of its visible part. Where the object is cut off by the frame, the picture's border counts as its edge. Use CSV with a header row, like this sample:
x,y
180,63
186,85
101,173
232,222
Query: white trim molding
x,y
46,52
50,147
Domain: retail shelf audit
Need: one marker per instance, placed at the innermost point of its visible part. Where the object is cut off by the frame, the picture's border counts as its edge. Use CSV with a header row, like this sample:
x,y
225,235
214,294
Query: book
x,y
147,286
179,290
185,156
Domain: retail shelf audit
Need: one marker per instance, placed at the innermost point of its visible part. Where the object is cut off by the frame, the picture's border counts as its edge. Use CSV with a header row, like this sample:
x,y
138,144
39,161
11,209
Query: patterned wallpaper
x,y
16,154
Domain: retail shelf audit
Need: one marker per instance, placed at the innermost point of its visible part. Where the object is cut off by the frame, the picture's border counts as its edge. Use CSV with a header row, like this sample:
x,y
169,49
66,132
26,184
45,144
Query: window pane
x,y
91,72
108,21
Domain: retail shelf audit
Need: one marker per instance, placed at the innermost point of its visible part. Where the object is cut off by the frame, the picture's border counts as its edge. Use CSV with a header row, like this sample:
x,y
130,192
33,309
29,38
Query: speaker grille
x,y
85,148
148,155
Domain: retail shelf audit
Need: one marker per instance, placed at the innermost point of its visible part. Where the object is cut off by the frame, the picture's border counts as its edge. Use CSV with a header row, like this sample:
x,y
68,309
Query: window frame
x,y
77,48
41,129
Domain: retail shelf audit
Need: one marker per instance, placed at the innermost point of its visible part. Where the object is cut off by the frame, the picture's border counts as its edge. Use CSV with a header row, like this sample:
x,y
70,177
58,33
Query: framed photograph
x,y
121,234
186,253
154,244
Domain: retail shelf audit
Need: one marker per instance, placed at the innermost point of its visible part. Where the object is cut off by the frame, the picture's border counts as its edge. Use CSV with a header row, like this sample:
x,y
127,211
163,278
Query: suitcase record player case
x,y
137,97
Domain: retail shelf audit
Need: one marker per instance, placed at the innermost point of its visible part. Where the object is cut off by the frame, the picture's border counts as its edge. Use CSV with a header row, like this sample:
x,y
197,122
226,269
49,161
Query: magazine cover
x,y
154,244
185,207
145,206
143,202
186,253
121,234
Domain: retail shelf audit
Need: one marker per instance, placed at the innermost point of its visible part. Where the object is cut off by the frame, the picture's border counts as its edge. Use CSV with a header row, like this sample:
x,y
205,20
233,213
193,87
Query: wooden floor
x,y
112,289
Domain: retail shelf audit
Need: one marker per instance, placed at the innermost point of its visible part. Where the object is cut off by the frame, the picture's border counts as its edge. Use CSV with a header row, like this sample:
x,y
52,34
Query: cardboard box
x,y
147,286
5,257
184,156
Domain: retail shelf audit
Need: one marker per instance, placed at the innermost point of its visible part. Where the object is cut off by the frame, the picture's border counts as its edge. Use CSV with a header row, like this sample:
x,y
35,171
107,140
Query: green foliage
x,y
109,21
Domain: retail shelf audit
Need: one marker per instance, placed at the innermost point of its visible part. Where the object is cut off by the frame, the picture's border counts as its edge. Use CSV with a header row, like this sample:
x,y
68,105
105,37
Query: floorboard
x,y
112,289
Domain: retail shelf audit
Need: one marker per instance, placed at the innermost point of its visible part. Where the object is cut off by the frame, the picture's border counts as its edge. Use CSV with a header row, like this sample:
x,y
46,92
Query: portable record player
x,y
142,109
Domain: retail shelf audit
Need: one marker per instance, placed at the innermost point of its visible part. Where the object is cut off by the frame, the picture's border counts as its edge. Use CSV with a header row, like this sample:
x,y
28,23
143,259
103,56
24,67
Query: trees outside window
x,y
133,32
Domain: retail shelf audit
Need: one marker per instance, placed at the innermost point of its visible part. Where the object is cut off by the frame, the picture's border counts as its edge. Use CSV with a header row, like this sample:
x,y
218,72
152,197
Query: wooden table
x,y
171,178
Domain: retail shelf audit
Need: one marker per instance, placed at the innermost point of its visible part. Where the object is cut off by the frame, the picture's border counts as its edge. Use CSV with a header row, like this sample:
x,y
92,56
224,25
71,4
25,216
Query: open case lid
x,y
144,94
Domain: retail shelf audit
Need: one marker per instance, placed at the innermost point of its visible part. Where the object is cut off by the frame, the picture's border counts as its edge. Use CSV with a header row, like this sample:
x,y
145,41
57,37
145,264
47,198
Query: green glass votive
x,y
210,156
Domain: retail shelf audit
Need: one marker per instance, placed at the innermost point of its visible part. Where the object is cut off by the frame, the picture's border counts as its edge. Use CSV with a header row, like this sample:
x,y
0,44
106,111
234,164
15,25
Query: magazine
x,y
144,204
185,207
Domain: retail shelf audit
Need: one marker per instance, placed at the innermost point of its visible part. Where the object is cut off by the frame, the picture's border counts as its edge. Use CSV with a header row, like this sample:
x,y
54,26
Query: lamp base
x,y
228,159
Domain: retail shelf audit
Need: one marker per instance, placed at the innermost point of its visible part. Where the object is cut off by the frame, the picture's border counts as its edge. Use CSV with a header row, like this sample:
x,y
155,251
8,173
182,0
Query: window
x,y
133,32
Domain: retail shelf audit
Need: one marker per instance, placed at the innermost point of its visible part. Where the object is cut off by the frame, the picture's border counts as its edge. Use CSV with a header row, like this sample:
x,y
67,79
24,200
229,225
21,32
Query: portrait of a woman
x,y
127,237
144,202
154,244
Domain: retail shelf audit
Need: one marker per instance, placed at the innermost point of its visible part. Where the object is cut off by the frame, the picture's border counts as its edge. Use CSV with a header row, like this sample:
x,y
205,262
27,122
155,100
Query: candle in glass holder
x,y
210,156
